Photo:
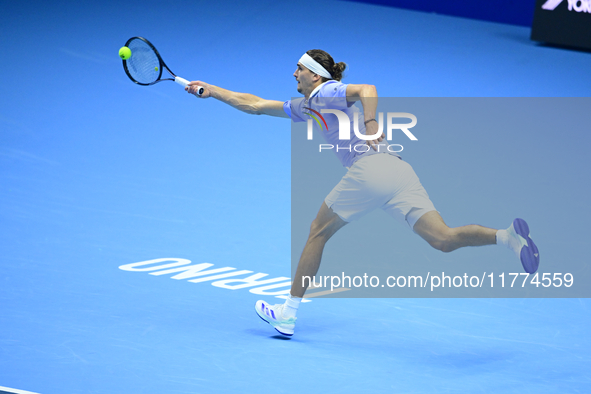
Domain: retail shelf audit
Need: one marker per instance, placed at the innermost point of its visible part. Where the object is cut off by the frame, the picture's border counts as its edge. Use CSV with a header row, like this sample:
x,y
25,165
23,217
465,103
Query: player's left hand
x,y
371,128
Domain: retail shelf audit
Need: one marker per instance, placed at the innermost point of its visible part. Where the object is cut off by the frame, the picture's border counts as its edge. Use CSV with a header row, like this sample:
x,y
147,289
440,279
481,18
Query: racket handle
x,y
183,82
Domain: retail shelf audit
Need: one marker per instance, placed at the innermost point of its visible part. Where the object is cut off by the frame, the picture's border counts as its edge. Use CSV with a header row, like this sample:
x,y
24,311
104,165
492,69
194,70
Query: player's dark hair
x,y
335,69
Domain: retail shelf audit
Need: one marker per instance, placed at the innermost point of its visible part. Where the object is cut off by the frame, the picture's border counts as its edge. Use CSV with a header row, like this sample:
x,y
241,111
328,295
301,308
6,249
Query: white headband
x,y
312,65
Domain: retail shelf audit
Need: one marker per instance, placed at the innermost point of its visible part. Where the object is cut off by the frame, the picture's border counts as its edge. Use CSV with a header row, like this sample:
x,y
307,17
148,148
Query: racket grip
x,y
183,82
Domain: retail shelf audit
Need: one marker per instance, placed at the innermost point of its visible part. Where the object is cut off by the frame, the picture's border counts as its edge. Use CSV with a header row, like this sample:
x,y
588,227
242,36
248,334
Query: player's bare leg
x,y
433,229
326,224
282,316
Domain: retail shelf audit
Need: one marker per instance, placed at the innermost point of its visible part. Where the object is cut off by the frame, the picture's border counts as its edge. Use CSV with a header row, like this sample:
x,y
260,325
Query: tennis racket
x,y
145,65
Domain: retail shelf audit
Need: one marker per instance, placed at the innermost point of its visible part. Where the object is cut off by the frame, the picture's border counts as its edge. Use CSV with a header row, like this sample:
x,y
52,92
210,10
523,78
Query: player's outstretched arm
x,y
244,102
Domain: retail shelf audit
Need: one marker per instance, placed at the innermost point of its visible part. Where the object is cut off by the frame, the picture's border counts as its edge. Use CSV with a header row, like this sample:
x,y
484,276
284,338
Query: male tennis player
x,y
376,178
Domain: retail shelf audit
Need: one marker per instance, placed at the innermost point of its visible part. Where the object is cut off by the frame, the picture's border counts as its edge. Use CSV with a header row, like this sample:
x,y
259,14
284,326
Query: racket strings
x,y
143,65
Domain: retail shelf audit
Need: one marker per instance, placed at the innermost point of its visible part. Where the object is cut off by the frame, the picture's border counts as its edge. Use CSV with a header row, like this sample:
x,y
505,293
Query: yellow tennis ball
x,y
124,53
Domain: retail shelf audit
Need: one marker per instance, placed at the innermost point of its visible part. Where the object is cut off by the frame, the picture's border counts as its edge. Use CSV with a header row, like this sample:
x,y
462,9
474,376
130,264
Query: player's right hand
x,y
194,85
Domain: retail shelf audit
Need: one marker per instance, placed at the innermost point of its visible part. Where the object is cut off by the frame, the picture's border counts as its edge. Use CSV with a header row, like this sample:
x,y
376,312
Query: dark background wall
x,y
515,12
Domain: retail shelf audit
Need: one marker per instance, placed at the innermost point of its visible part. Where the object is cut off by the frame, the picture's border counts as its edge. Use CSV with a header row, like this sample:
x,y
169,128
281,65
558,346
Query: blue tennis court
x,y
105,185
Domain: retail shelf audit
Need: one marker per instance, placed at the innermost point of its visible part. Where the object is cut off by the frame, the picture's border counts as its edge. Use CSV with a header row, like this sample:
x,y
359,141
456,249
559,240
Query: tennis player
x,y
376,178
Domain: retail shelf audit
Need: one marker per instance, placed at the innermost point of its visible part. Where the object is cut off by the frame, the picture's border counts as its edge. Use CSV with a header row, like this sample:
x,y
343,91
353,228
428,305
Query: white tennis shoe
x,y
273,314
523,246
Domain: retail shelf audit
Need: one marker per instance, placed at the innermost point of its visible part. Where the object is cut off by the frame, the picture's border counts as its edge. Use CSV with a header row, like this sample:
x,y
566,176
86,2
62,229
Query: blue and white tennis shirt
x,y
333,95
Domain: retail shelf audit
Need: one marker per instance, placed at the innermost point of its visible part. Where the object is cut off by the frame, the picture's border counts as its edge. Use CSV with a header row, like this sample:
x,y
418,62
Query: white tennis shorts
x,y
380,181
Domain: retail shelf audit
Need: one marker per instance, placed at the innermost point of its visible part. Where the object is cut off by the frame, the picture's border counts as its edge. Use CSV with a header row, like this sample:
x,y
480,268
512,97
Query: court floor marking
x,y
6,390
184,270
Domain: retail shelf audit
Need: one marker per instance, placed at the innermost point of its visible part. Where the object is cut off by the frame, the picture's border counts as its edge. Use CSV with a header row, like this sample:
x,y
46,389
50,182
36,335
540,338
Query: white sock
x,y
510,239
291,306
503,238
